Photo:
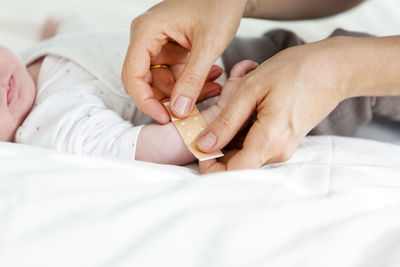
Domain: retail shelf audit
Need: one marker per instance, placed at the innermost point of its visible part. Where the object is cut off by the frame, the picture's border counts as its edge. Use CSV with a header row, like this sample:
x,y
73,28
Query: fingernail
x,y
215,74
208,140
183,105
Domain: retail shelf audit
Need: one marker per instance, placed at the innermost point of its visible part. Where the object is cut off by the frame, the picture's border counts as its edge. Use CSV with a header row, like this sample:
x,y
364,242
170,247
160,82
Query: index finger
x,y
229,121
135,69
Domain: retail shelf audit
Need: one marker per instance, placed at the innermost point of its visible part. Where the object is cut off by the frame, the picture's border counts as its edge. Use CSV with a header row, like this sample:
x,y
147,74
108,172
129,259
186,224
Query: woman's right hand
x,y
188,35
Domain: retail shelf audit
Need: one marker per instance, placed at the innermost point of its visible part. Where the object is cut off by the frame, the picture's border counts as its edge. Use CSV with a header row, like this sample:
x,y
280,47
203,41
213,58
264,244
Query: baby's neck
x,y
34,69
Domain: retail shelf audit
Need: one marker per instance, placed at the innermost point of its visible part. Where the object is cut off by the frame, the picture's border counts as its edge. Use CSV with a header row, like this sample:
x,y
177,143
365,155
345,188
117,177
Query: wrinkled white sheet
x,y
335,203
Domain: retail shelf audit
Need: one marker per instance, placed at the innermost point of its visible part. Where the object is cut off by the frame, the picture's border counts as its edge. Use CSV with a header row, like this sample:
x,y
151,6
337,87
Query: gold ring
x,y
159,66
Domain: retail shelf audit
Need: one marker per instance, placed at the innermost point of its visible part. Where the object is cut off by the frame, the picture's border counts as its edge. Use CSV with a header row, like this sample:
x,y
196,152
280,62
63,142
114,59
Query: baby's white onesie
x,y
75,112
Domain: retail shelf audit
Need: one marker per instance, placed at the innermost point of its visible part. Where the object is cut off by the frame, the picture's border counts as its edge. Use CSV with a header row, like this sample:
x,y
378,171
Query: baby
x,y
66,94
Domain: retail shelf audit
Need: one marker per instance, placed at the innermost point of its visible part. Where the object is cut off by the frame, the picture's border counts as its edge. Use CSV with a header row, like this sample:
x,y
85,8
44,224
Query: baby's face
x,y
17,93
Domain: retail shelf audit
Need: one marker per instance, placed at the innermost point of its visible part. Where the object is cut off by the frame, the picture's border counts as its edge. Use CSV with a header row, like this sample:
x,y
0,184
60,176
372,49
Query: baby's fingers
x,y
232,85
242,68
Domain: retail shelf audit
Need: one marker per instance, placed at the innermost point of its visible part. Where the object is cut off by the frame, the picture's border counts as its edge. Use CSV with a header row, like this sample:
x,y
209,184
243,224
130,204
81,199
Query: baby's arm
x,y
163,144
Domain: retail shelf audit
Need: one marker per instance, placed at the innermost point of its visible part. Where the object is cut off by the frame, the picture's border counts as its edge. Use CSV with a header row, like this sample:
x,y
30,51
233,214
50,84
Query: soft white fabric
x,y
335,203
100,53
75,112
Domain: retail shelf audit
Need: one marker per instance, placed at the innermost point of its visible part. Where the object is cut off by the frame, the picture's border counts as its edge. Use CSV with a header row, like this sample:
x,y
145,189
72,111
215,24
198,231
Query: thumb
x,y
190,83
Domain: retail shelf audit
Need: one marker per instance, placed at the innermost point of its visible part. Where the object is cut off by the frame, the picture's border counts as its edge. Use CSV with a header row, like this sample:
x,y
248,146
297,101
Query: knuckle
x,y
284,155
193,79
252,85
265,152
284,149
250,81
269,146
137,21
262,159
227,119
260,91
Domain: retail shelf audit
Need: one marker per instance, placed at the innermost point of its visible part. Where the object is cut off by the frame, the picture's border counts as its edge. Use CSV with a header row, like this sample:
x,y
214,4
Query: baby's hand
x,y
230,87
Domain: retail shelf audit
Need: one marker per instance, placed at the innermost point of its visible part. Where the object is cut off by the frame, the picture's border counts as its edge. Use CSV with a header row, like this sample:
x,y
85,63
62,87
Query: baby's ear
x,y
242,68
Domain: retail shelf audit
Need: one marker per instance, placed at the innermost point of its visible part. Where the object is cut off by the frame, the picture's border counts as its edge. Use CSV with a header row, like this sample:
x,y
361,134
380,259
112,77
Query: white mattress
x,y
335,203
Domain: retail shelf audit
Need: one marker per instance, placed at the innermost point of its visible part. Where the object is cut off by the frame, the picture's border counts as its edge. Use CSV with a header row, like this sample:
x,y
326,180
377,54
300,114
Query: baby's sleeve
x,y
81,124
102,132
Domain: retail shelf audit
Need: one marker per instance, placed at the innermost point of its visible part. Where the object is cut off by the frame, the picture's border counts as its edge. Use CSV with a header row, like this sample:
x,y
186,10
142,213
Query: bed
x,y
336,202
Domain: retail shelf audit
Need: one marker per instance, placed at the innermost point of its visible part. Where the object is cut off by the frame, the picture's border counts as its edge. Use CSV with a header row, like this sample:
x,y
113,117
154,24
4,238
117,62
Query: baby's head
x,y
17,93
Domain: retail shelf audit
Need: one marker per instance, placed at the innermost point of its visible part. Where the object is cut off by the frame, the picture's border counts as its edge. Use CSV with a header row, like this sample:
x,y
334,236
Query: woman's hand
x,y
291,93
188,35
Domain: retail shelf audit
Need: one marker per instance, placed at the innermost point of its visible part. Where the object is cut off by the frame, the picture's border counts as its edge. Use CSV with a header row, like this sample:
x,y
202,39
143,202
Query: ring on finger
x,y
159,66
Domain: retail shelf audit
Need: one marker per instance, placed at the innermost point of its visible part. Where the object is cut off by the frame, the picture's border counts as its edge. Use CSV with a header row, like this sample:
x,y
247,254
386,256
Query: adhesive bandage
x,y
190,128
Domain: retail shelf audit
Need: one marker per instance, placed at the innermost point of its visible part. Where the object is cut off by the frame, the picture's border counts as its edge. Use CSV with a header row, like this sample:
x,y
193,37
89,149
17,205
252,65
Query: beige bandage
x,y
190,128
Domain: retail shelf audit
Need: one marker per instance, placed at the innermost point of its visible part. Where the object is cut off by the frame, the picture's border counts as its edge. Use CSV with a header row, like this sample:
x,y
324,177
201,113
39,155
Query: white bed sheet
x,y
335,203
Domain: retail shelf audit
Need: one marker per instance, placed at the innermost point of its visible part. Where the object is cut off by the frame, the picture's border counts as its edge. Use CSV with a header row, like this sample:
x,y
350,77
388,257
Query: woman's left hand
x,y
291,93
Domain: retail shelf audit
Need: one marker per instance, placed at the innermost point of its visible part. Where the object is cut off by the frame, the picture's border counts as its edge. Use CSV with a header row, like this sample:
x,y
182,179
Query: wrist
x,y
342,58
370,66
162,144
341,66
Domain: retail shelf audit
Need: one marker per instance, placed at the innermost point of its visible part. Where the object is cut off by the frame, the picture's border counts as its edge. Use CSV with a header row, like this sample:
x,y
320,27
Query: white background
x,y
20,19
